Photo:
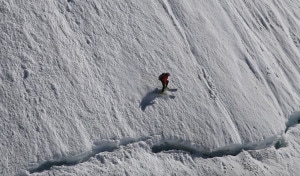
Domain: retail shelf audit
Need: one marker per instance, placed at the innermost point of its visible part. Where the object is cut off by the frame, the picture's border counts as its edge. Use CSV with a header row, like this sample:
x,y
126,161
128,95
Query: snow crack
x,y
277,141
104,146
293,120
99,147
160,145
233,149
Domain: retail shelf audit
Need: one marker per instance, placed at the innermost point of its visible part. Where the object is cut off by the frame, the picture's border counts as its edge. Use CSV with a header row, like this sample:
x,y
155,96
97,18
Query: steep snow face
x,y
79,87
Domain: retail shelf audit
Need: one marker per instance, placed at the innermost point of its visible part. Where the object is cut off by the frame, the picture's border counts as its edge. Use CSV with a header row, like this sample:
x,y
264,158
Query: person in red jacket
x,y
164,80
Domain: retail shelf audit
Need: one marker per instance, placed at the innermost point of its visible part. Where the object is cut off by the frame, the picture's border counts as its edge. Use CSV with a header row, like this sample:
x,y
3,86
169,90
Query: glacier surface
x,y
78,87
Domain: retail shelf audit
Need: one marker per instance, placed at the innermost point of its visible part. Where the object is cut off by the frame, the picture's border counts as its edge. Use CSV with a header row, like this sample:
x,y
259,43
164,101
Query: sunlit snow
x,y
79,88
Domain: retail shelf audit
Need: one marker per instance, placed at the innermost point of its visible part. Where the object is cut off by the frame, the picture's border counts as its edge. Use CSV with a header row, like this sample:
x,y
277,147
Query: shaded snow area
x,y
79,88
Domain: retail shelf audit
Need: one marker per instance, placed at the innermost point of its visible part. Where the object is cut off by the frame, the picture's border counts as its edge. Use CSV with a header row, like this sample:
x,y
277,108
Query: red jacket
x,y
164,78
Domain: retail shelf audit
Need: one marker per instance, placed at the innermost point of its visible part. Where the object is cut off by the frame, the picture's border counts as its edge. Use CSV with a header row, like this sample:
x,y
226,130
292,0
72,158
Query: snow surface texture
x,y
78,87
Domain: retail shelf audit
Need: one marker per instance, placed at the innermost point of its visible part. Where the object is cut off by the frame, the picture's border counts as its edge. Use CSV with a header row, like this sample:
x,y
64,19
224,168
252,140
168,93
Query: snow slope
x,y
78,87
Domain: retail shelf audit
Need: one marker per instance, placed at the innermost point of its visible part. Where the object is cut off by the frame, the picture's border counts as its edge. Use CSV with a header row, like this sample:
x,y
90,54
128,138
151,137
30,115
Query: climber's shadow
x,y
149,98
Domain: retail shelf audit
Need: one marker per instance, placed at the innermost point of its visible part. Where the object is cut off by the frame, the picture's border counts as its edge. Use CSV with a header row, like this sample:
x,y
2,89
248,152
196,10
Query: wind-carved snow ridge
x,y
169,11
99,147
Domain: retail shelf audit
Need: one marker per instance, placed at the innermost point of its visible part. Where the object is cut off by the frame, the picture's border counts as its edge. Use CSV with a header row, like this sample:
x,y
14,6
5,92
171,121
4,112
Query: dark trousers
x,y
164,86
